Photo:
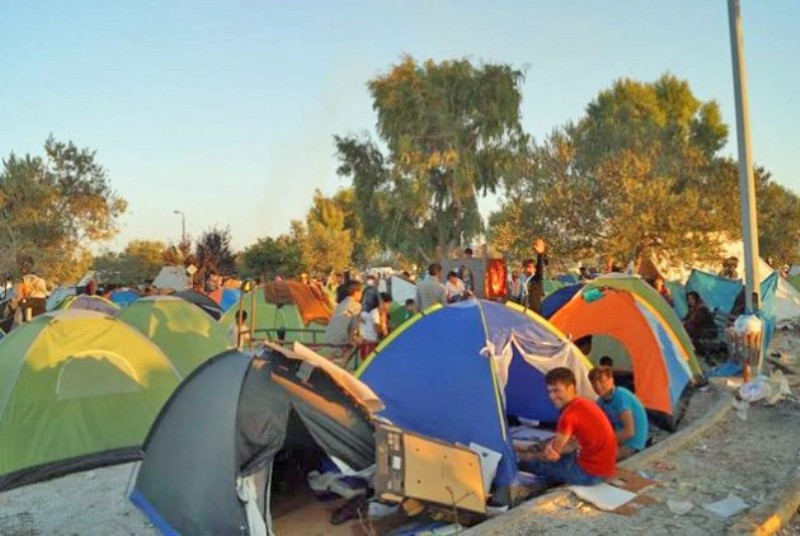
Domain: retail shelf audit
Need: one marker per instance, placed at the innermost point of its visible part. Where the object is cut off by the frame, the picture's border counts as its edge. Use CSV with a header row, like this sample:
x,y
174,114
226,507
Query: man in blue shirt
x,y
626,413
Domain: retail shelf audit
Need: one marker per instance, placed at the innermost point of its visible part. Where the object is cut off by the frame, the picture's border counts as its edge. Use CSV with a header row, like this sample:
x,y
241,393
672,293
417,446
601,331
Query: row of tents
x,y
80,388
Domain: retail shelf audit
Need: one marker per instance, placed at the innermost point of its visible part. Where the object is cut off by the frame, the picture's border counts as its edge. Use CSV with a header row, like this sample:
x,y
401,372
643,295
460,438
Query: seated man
x,y
624,410
584,450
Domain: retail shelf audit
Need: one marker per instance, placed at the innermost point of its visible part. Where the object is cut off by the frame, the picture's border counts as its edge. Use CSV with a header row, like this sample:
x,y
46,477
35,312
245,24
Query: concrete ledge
x,y
674,442
768,517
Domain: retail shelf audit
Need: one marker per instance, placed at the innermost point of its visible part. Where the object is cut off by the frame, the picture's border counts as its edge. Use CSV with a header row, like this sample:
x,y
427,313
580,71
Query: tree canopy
x,y
640,172
452,131
52,208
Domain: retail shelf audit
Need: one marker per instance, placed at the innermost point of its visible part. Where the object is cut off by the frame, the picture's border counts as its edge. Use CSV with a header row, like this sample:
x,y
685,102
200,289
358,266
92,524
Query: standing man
x,y
342,329
584,450
533,287
430,290
624,410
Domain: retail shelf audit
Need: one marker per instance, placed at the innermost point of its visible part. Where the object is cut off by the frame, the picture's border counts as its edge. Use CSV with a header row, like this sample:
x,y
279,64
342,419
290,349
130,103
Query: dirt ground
x,y
751,459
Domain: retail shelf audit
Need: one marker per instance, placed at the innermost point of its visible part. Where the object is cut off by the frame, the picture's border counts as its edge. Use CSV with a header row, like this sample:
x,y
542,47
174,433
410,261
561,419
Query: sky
x,y
227,110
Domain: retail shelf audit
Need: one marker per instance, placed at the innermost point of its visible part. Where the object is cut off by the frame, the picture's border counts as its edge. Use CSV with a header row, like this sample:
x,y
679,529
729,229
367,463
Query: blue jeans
x,y
566,470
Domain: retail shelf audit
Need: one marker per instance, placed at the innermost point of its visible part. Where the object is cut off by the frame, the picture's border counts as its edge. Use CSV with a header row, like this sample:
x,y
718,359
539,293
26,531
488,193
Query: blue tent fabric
x,y
230,297
435,377
678,293
421,402
568,279
123,297
718,293
555,301
767,312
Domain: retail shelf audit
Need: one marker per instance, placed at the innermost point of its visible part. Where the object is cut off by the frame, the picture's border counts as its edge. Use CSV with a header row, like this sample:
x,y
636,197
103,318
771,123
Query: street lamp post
x,y
183,225
748,328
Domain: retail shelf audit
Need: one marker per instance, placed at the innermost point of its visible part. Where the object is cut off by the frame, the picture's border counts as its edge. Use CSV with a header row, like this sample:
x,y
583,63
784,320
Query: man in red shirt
x,y
584,450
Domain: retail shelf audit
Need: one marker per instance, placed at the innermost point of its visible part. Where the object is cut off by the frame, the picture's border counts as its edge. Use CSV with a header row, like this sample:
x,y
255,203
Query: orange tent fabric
x,y
616,315
311,301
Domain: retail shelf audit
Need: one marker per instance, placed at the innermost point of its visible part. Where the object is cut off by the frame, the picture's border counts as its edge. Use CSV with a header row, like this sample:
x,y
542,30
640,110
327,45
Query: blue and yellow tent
x,y
454,373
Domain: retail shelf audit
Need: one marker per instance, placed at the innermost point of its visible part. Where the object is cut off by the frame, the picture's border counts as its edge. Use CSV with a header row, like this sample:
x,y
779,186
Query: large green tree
x,y
326,244
140,261
451,132
52,208
640,172
270,257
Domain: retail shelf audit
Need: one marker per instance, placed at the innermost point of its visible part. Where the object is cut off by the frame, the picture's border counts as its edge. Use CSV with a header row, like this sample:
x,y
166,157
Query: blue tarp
x,y
230,297
720,294
123,297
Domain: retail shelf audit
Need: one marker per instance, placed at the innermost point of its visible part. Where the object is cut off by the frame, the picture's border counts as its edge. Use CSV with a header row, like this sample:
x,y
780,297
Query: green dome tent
x,y
186,334
78,389
271,317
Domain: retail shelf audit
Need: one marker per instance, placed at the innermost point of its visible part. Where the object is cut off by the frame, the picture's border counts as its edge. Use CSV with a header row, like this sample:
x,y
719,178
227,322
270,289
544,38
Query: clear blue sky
x,y
226,110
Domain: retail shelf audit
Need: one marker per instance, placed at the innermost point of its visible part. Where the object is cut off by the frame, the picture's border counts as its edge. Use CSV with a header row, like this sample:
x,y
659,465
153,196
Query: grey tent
x,y
208,460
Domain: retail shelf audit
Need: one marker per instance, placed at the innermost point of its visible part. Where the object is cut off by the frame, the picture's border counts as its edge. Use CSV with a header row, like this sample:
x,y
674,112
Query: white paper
x,y
727,507
603,496
525,433
490,459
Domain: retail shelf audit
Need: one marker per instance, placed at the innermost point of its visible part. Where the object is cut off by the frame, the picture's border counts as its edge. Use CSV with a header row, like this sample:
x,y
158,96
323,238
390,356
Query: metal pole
x,y
183,225
747,189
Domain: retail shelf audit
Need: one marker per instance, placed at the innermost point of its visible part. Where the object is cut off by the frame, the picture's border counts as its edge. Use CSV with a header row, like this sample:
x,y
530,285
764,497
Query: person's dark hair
x,y
385,297
435,269
606,361
410,301
561,375
352,287
528,261
695,295
600,372
468,251
241,316
584,344
451,273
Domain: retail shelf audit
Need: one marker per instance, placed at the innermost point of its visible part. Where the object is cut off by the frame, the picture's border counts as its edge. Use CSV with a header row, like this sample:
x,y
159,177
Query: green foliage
x,y
52,209
452,131
326,244
270,257
639,172
140,261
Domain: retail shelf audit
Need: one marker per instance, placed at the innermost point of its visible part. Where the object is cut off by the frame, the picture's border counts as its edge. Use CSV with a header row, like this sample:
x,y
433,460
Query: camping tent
x,y
282,312
89,303
721,296
643,290
226,297
230,419
172,277
658,360
456,372
77,389
209,306
186,335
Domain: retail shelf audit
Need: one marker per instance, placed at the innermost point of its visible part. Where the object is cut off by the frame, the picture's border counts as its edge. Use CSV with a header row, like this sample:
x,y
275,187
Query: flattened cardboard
x,y
630,481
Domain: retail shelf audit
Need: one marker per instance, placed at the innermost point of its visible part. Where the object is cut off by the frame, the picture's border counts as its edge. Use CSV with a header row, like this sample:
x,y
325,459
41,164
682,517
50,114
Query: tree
x,y
452,131
214,253
639,173
270,257
325,244
141,260
52,209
